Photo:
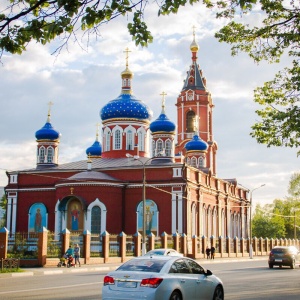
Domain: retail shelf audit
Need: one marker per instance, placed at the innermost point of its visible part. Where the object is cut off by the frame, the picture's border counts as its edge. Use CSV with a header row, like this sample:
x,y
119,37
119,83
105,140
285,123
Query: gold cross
x,y
163,94
194,27
97,129
49,110
127,56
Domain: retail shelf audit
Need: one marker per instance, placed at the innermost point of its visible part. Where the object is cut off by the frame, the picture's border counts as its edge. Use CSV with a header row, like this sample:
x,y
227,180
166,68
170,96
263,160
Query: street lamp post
x,y
250,231
136,157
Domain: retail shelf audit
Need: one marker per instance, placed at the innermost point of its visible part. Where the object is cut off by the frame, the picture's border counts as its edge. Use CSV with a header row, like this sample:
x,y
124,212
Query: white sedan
x,y
162,278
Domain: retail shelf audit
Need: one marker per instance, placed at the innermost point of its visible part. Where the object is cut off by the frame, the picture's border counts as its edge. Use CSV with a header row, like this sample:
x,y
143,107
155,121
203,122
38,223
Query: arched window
x,y
160,147
153,148
194,225
188,161
190,121
96,220
194,162
50,155
42,155
141,141
168,148
117,140
209,222
107,141
204,221
201,161
129,140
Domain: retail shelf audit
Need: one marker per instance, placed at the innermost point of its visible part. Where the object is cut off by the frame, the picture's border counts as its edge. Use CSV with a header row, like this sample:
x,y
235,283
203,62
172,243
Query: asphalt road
x,y
242,280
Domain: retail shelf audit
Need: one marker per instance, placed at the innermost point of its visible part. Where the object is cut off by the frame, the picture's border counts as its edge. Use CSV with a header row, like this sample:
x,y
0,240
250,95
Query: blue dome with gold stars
x,y
196,144
125,106
47,132
162,124
94,150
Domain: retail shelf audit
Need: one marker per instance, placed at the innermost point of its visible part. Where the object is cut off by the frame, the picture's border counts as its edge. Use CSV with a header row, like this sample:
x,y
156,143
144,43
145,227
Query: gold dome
x,y
194,46
126,73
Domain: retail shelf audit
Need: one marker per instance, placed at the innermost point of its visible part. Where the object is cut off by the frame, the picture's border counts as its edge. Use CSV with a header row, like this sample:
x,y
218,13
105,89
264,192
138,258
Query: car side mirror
x,y
208,272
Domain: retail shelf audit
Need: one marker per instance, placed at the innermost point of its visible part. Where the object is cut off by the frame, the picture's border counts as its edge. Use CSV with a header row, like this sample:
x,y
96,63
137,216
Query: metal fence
x,y
23,245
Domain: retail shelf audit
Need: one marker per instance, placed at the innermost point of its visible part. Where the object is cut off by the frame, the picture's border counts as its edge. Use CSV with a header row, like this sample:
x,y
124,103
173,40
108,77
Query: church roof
x,y
92,175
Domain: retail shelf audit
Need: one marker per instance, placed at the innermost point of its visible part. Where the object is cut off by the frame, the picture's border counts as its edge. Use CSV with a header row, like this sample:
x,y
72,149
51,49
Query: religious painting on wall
x,y
75,216
151,217
37,217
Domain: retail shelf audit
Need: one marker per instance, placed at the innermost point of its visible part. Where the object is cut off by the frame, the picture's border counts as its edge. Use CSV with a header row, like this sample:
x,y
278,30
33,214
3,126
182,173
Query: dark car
x,y
284,256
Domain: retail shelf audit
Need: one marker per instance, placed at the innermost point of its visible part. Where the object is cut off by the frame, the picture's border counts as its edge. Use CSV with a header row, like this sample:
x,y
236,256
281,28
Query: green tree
x,y
3,203
277,34
294,186
267,223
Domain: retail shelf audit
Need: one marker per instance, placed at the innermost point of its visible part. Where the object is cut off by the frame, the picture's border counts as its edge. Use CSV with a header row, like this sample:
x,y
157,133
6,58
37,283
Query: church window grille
x,y
129,143
194,162
159,147
153,148
117,140
168,148
141,141
107,141
96,220
42,155
190,121
201,161
50,155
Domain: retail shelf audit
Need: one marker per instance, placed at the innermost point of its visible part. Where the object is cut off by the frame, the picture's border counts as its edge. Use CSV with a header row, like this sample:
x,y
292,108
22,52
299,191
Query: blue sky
x,y
81,80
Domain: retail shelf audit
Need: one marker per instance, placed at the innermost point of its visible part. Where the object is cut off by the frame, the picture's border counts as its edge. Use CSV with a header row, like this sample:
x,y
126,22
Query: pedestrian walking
x,y
77,255
207,252
212,252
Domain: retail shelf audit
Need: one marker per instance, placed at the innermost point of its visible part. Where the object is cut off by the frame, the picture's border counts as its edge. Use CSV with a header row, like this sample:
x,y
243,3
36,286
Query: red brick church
x,y
135,160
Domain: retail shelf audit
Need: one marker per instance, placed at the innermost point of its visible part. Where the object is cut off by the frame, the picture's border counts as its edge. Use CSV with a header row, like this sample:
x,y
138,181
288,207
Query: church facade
x,y
134,161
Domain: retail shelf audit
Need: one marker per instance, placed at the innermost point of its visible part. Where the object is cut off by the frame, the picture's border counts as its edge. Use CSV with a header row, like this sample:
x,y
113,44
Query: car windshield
x,y
143,265
156,252
279,250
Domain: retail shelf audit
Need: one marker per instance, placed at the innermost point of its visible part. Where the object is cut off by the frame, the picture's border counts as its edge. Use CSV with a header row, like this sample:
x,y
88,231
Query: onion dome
x,y
126,106
47,132
194,46
95,150
162,123
196,144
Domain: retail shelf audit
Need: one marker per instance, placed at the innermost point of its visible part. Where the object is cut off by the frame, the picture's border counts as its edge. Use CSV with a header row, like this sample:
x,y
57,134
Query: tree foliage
x,y
3,203
277,220
278,34
294,186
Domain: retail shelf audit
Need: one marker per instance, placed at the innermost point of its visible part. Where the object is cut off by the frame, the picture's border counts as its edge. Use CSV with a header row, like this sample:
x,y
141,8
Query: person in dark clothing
x,y
212,252
207,252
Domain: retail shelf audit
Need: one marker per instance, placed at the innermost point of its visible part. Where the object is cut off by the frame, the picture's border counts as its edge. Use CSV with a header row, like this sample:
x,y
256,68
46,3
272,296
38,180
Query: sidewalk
x,y
110,267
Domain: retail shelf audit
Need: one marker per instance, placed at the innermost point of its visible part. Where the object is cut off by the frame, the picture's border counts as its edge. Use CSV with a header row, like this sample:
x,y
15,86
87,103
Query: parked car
x,y
163,251
284,256
162,278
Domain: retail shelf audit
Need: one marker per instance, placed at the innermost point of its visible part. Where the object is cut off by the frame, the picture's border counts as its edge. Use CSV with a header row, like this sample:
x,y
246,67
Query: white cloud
x,y
81,81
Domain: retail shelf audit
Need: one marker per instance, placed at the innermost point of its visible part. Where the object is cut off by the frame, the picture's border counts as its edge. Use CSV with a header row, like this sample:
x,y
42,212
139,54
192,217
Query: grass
x,y
12,270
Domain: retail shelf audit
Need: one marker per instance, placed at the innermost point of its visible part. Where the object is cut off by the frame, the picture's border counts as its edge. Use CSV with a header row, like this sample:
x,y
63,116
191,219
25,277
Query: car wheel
x,y
219,293
293,265
176,296
271,266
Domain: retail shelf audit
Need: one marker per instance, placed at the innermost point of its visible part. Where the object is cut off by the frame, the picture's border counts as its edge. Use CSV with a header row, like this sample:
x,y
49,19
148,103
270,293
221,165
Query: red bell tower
x,y
195,111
